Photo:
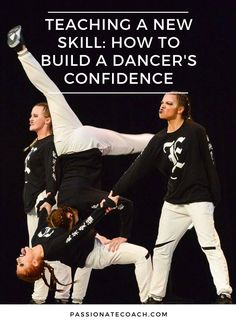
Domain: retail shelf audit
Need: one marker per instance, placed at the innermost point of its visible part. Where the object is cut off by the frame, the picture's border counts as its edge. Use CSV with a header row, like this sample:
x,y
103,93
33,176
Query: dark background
x,y
211,85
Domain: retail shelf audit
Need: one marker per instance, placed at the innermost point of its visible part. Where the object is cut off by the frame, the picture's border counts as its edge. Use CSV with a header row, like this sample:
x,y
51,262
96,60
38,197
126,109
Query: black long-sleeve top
x,y
80,182
41,168
185,157
71,248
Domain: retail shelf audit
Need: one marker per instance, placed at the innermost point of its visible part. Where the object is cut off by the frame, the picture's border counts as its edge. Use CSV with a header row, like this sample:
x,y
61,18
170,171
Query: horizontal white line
x,y
148,12
112,92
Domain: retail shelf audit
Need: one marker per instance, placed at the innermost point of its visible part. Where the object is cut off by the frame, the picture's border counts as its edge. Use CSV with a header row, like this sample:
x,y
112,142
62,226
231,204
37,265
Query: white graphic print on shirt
x,y
46,232
174,151
27,169
210,149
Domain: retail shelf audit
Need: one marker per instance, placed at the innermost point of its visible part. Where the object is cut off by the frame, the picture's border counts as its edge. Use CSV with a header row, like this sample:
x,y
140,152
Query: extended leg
x,y
203,220
172,226
80,286
127,253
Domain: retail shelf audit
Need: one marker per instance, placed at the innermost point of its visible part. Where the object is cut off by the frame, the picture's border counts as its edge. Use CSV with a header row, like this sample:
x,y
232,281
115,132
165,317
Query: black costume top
x,y
185,157
71,248
80,183
40,172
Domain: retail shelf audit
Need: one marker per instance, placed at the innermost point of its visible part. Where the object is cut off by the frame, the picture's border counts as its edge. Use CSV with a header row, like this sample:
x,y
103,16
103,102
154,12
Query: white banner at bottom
x,y
101,312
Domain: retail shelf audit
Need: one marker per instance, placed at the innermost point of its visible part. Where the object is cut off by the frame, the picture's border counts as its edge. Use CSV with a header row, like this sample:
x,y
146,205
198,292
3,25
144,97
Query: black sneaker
x,y
36,302
224,299
60,301
15,38
76,301
158,300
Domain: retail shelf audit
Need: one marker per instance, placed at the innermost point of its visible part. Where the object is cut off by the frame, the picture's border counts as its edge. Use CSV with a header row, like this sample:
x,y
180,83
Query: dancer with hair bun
x,y
184,154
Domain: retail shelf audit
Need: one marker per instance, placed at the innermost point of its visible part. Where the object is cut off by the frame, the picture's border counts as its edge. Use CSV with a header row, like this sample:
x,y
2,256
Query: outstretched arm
x,y
87,224
143,164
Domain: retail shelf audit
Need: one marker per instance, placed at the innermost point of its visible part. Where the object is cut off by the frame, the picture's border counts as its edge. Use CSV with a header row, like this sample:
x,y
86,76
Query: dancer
x,y
41,184
62,236
184,154
80,148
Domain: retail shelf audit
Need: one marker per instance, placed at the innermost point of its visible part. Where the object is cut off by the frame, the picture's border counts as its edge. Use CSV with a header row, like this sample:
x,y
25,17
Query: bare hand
x,y
115,243
47,206
102,239
115,199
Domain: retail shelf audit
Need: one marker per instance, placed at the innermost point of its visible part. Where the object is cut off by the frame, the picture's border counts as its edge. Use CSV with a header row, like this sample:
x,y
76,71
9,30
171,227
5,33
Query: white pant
x,y
63,274
32,217
100,258
62,271
69,133
174,222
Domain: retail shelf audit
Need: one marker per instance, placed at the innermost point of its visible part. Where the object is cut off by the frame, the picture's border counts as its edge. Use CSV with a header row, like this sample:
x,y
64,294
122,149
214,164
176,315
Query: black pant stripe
x,y
162,244
209,248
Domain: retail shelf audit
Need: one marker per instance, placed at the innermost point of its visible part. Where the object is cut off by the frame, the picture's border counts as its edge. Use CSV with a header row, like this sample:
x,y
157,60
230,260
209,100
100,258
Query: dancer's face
x,y
25,259
170,108
37,120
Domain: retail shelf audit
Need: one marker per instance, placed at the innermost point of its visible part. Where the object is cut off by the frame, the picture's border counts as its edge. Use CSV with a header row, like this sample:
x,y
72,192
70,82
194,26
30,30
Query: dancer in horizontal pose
x,y
63,236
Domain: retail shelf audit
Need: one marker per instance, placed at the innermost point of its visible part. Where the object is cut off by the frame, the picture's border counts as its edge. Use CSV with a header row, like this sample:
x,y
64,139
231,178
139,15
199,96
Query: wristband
x,y
109,203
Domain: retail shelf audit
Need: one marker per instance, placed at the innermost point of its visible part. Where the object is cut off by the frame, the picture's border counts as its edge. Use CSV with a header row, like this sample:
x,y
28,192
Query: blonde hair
x,y
46,112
